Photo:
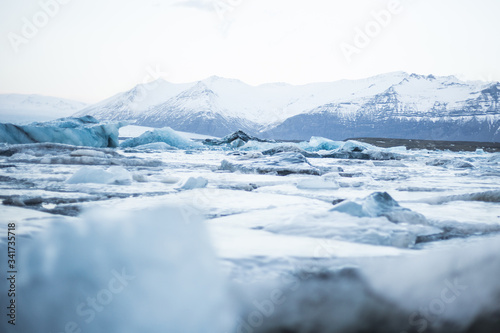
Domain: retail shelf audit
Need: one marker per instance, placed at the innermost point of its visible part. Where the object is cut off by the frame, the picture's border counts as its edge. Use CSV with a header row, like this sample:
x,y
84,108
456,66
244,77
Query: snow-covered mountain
x,y
420,107
389,105
18,108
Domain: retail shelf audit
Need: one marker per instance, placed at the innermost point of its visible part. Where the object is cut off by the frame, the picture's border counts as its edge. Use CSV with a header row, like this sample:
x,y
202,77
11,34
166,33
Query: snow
x,y
84,131
166,135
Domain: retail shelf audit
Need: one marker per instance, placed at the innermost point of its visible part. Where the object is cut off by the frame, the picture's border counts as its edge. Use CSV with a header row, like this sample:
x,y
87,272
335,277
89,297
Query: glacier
x,y
83,131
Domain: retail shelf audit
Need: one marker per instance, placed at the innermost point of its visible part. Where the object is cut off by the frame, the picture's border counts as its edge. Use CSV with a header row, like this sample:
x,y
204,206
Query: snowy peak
x,y
131,104
200,91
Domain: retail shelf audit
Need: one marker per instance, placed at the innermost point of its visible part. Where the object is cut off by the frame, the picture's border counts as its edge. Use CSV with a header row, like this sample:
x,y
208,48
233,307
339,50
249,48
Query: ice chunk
x,y
152,270
380,204
114,175
166,135
83,131
281,164
194,182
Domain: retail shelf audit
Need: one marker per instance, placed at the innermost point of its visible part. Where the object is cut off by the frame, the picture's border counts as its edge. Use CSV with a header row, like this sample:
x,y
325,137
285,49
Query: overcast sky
x,y
88,50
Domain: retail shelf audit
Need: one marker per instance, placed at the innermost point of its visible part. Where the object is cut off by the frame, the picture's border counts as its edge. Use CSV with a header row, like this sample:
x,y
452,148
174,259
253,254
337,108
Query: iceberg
x,y
380,204
83,131
165,135
317,143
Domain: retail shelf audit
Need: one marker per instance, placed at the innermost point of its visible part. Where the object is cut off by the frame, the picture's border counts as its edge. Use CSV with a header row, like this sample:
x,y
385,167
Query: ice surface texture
x,y
83,131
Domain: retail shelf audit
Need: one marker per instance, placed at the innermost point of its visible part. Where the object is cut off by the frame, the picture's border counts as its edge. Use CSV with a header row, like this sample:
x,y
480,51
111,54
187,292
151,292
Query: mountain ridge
x,y
412,105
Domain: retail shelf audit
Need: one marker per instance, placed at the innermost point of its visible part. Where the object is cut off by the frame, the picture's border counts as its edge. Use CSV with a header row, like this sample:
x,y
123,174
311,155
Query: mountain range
x,y
392,105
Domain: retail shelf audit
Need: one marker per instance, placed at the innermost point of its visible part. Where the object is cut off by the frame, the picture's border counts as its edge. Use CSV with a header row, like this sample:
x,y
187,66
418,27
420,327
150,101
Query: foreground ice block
x,y
83,131
149,270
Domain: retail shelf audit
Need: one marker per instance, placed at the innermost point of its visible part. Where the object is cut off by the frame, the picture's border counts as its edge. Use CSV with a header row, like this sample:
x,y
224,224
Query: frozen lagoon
x,y
245,249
